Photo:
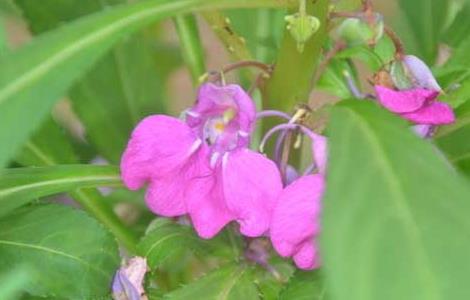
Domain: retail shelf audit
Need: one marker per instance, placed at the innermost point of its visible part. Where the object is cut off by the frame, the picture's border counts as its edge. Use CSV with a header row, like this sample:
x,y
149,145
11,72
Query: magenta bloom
x,y
419,103
201,166
296,219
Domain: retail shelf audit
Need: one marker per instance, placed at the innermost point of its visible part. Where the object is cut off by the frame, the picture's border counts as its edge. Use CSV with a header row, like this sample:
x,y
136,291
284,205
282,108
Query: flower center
x,y
218,129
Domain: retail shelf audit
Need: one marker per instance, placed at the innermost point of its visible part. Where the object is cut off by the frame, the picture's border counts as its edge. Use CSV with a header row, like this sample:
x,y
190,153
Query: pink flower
x,y
417,105
295,221
201,166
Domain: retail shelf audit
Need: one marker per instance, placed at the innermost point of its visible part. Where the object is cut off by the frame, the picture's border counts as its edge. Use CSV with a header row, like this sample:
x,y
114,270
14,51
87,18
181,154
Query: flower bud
x,y
302,27
411,72
361,30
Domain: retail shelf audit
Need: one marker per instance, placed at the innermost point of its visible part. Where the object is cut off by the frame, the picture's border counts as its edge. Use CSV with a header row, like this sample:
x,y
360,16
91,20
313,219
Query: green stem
x,y
193,52
235,44
291,81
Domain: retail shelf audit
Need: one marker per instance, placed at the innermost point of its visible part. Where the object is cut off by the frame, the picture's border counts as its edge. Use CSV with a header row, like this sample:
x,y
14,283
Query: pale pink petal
x,y
295,218
436,113
404,101
251,185
306,257
159,145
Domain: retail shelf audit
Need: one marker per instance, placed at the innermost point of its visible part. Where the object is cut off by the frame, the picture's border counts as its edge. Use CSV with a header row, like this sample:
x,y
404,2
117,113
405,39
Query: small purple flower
x,y
417,104
201,165
128,281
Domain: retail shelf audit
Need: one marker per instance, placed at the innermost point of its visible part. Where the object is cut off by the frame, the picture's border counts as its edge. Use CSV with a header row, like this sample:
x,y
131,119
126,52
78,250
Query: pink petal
x,y
437,113
205,199
404,101
306,257
320,152
206,205
167,195
295,218
251,185
159,145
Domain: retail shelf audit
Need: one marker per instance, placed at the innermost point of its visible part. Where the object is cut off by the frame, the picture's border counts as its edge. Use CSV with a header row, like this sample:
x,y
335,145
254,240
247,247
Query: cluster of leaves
x,y
395,219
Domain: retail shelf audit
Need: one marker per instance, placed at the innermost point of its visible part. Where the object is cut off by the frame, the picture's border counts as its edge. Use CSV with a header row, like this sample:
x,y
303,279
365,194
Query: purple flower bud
x,y
127,283
420,73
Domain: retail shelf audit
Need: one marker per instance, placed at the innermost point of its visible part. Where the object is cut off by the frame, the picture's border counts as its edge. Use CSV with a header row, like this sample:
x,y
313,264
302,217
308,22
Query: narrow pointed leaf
x,y
21,185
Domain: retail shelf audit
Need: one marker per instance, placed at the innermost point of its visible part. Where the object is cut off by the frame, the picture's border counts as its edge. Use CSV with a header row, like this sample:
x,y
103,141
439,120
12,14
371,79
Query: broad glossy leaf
x,y
395,219
21,185
425,20
305,286
70,254
166,241
34,77
453,139
228,283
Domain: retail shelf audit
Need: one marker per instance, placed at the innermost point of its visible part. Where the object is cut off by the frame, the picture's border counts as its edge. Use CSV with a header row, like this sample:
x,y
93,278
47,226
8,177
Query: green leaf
x,y
13,281
458,31
48,146
166,241
425,20
191,46
71,255
305,286
126,84
395,219
35,76
262,30
231,282
21,185
453,139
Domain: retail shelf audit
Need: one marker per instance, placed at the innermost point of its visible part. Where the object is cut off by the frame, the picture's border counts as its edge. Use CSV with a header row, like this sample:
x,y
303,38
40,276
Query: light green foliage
x,y
228,283
37,75
168,241
422,23
21,185
305,286
395,220
70,255
450,139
